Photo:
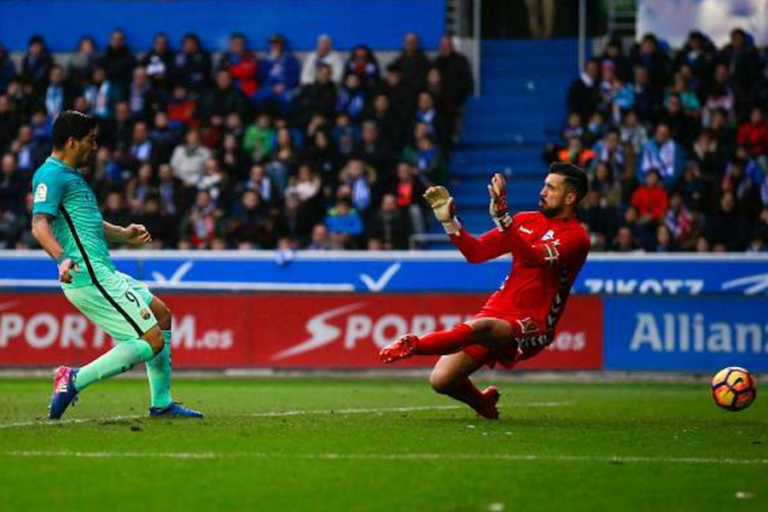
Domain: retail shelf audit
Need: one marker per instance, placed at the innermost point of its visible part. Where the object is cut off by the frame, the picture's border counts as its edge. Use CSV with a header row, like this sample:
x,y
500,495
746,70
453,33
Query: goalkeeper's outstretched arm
x,y
487,247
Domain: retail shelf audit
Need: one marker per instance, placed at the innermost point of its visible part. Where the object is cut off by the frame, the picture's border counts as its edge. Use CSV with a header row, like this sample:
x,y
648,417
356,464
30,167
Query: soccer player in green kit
x,y
68,224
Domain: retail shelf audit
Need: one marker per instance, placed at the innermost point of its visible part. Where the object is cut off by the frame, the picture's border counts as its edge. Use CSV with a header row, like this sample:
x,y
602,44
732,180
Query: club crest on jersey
x,y
145,314
549,235
41,193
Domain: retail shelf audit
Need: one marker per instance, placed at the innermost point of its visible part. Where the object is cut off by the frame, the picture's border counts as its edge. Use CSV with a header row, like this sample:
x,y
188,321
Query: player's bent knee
x,y
162,314
154,337
440,382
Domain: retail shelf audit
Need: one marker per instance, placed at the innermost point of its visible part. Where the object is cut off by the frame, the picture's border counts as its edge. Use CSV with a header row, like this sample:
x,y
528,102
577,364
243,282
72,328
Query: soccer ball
x,y
733,388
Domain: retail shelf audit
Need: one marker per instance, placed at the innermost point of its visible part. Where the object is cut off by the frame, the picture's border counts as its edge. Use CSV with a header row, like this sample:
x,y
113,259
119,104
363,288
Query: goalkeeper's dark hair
x,y
575,178
71,124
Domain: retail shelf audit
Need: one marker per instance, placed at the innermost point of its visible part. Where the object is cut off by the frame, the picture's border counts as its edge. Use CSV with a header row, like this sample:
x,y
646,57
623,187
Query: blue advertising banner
x,y
690,334
675,275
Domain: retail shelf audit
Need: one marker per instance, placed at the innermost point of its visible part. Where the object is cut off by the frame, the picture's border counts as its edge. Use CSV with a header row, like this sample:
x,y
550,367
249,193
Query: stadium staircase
x,y
524,87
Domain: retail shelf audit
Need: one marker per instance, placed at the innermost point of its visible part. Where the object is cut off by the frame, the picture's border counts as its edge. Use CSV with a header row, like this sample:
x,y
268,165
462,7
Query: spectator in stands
x,y
455,71
242,65
373,151
576,153
413,64
119,61
753,135
344,225
13,186
427,114
665,155
181,108
192,65
720,96
7,70
425,156
101,95
139,188
83,62
203,226
222,100
352,98
360,178
36,64
609,152
363,63
279,74
614,54
646,98
758,94
689,98
682,127
259,139
171,192
649,55
320,239
698,53
115,212
409,191
142,149
188,161
664,240
58,94
651,199
251,227
139,94
284,158
28,152
10,121
726,229
625,241
681,223
159,60
323,54
742,60
390,227
215,183
584,92
319,97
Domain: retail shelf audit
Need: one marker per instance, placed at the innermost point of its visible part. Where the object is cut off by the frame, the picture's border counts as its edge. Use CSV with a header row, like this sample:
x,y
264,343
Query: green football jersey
x,y
61,192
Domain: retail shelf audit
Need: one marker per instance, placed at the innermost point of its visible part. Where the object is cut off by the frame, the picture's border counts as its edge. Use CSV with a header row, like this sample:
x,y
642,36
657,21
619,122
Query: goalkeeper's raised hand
x,y
498,204
442,205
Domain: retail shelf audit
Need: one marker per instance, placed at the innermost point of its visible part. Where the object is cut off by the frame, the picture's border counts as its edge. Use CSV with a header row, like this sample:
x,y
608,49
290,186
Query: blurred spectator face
x,y
592,69
123,112
160,43
98,76
721,74
8,164
381,104
161,121
251,200
140,76
321,140
356,168
421,131
80,104
223,79
86,46
292,202
388,203
114,201
165,172
574,144
211,167
404,171
257,173
673,104
727,203
25,134
613,50
283,137
611,141
203,199
319,235
737,40
56,76
370,132
411,43
592,199
608,73
352,82
663,236
140,132
323,74
276,45
189,45
652,179
574,120
323,45
394,77
641,75
5,104
35,48
344,191
602,174
648,46
117,40
756,116
624,238
676,202
145,173
151,206
237,45
193,138
343,206
230,142
702,245
446,45
631,215
305,173
662,134
434,80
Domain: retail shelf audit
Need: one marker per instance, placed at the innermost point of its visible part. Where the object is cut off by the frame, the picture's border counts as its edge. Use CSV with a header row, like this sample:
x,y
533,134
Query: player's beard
x,y
87,160
550,211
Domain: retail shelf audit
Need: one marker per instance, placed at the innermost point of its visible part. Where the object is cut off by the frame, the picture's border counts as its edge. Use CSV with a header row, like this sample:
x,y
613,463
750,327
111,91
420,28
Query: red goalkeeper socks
x,y
446,342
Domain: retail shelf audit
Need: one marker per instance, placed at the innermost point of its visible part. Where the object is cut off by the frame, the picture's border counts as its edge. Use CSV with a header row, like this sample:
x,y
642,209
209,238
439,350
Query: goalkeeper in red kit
x,y
518,321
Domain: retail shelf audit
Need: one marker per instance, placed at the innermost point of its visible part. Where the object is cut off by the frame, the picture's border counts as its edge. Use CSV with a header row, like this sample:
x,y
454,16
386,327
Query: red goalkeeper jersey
x,y
547,254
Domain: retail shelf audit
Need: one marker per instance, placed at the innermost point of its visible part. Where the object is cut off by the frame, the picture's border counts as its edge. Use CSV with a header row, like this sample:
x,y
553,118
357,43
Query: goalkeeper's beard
x,y
550,211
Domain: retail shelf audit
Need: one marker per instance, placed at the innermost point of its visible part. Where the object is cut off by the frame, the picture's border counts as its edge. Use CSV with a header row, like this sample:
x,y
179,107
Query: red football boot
x,y
491,397
402,348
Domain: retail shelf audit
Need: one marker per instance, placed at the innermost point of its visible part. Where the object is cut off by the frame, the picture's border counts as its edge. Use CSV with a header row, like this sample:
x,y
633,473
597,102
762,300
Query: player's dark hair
x,y
71,123
575,177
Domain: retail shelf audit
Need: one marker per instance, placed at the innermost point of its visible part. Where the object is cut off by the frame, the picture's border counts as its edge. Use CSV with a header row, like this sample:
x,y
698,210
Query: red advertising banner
x,y
280,330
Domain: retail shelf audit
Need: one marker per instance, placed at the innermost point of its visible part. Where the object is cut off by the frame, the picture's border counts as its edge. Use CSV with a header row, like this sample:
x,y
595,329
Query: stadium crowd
x,y
243,150
676,144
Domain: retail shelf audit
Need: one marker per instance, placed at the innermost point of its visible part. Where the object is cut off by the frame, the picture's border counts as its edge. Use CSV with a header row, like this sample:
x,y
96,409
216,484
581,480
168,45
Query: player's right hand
x,y
441,202
498,203
65,268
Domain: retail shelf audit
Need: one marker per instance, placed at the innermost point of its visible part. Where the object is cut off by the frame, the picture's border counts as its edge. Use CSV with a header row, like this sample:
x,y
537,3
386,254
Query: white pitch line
x,y
392,456
269,414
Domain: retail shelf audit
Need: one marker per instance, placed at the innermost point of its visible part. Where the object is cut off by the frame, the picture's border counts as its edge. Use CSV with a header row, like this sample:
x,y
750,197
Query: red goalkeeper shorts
x,y
527,340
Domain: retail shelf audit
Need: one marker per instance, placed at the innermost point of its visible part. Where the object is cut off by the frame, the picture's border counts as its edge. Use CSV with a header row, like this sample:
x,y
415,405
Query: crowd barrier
x,y
259,310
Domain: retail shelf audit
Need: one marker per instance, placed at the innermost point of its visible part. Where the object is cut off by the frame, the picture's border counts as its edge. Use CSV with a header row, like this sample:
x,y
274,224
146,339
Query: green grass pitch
x,y
382,444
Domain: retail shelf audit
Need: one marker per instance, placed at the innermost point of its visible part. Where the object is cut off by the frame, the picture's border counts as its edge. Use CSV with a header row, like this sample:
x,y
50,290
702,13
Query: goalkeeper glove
x,y
441,202
498,205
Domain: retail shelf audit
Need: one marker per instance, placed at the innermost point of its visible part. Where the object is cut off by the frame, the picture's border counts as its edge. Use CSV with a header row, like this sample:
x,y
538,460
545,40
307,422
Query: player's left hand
x,y
137,234
498,204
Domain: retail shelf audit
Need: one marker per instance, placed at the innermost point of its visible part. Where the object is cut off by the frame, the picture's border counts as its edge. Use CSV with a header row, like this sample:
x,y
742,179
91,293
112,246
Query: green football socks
x,y
118,360
159,373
